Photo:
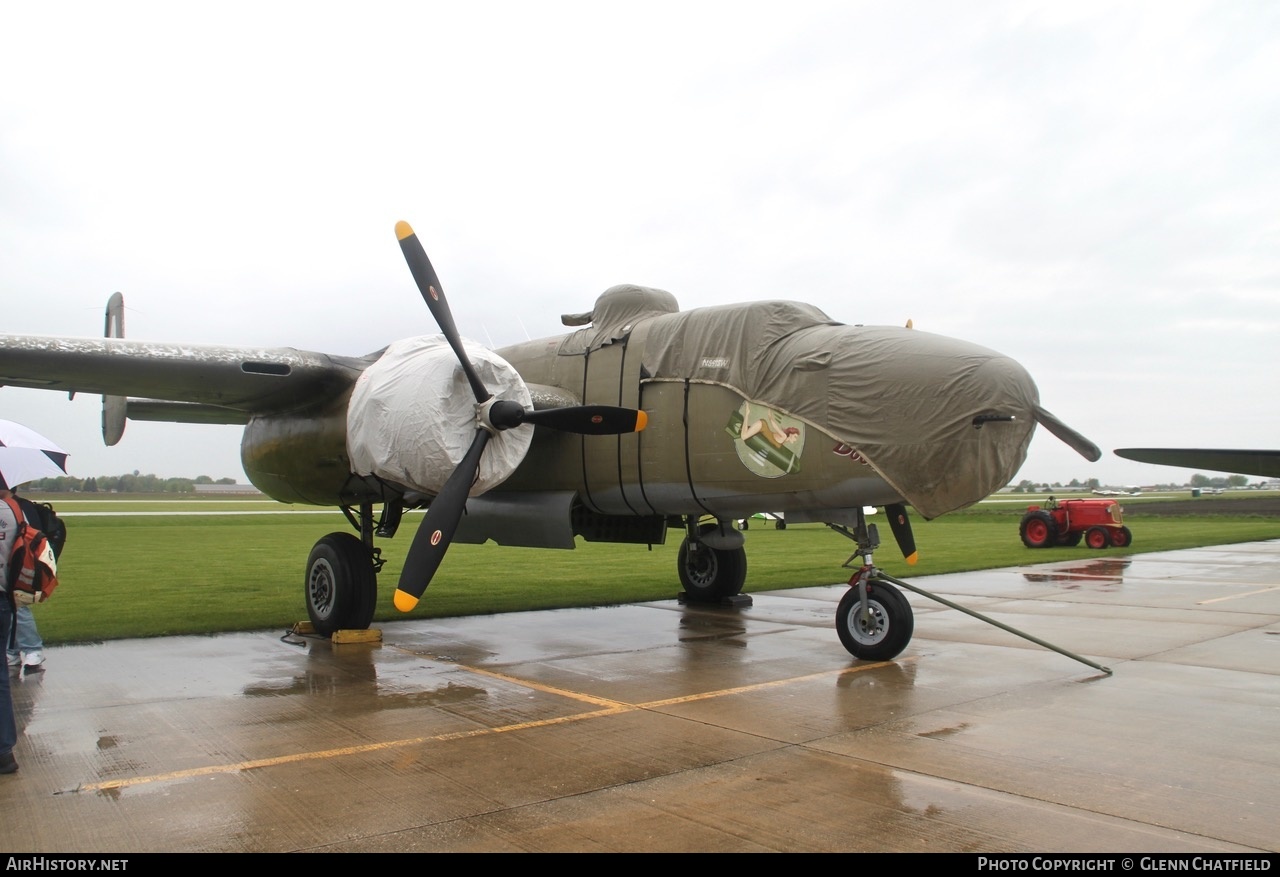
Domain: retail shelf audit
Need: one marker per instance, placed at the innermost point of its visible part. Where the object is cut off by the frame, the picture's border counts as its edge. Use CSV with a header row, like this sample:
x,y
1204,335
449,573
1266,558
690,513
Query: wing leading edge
x,y
1244,462
179,382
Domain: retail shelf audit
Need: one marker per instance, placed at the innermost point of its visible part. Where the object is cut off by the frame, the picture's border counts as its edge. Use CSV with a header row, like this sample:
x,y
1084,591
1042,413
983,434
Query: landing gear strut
x,y
341,587
874,621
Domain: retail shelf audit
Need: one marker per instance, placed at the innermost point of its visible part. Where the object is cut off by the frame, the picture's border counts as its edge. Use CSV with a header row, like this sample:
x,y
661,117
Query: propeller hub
x,y
499,414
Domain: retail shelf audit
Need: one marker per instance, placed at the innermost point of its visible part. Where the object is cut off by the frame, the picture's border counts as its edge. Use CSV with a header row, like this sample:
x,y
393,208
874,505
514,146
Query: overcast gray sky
x,y
1091,188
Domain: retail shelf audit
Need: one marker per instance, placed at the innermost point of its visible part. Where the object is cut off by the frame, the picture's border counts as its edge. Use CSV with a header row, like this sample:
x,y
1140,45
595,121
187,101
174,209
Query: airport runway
x,y
658,727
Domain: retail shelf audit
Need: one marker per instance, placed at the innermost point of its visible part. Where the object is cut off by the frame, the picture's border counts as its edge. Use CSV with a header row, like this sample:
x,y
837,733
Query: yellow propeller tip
x,y
404,602
642,420
403,230
912,558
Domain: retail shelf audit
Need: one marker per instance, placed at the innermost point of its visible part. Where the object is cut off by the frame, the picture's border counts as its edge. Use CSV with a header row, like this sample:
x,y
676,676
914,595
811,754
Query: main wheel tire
x,y
886,634
709,575
780,524
341,586
1121,537
1038,530
1097,537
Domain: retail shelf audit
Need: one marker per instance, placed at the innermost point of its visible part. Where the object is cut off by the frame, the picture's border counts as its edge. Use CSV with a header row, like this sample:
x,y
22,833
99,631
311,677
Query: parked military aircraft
x,y
767,405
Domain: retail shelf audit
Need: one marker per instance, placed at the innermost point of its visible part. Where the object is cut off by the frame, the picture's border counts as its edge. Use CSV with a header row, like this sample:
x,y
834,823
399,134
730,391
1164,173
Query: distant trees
x,y
1199,480
133,482
1026,485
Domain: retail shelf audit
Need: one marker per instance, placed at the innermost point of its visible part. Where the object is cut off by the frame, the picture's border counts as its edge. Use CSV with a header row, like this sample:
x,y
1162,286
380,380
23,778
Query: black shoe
x,y
8,764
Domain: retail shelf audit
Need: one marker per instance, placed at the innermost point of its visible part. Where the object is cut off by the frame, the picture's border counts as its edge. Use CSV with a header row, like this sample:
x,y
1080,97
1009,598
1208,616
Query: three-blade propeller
x,y
493,415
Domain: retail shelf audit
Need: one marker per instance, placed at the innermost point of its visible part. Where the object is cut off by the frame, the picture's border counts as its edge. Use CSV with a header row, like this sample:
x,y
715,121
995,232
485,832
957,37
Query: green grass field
x,y
181,572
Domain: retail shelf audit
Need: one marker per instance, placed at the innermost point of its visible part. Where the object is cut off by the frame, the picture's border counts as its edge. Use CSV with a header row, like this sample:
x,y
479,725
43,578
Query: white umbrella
x,y
26,455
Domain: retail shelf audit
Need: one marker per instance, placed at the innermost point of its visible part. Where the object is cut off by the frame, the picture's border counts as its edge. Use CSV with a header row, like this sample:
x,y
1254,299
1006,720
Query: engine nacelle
x,y
412,416
404,427
302,457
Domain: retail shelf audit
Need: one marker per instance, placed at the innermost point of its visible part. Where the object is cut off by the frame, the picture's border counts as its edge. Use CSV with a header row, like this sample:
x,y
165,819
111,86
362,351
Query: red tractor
x,y
1097,521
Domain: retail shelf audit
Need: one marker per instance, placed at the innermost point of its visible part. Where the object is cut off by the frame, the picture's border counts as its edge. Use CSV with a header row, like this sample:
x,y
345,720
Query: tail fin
x,y
114,407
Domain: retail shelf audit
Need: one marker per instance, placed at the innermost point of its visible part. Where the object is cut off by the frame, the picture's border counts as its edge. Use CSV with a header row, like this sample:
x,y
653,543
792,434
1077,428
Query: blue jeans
x,y
8,727
28,637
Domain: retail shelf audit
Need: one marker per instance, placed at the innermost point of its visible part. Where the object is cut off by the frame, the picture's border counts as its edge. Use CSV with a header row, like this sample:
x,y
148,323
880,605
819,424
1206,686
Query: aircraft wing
x,y
179,382
1265,463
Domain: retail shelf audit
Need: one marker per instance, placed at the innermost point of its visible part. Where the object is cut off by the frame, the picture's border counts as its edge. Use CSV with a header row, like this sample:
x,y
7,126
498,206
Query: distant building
x,y
227,490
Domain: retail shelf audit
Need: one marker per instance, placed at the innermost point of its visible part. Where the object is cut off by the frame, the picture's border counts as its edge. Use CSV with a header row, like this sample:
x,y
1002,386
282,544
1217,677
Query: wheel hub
x,y
702,566
868,632
320,588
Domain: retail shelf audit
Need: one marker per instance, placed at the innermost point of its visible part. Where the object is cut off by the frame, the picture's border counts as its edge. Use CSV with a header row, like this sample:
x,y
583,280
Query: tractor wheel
x,y
1121,537
1097,537
1070,540
1038,530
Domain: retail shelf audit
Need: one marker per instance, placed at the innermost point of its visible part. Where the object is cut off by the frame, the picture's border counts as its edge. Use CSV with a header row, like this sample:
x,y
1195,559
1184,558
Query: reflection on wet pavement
x,y
667,727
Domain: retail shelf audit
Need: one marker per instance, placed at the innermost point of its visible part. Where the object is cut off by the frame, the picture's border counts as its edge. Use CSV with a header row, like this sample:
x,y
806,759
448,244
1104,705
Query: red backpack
x,y
33,571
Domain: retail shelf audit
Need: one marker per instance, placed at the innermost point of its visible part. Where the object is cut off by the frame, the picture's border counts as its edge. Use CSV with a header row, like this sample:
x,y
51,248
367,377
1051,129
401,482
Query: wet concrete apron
x,y
663,727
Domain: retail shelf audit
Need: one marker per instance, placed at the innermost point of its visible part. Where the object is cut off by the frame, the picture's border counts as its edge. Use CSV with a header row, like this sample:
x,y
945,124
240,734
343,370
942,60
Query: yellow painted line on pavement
x,y
1239,596
608,708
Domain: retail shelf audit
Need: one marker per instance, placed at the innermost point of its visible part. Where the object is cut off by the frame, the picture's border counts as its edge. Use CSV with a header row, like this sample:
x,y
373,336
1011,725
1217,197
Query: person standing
x,y
26,648
8,724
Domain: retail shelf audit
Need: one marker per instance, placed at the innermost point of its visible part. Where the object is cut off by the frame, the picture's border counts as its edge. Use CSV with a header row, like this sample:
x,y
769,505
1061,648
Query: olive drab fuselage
x,y
709,448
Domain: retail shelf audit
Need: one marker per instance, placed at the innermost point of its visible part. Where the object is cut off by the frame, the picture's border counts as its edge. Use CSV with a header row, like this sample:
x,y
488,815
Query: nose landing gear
x,y
874,620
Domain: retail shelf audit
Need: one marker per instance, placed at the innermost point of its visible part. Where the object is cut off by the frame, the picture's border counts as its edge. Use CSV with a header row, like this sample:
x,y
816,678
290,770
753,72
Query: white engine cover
x,y
412,416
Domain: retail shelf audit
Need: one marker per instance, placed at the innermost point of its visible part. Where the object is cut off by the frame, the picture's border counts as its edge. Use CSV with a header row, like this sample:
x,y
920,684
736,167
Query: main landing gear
x,y
712,562
874,621
342,571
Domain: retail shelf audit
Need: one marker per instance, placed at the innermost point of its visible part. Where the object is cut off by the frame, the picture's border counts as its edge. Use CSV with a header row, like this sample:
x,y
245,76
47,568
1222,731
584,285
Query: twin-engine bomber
x,y
644,418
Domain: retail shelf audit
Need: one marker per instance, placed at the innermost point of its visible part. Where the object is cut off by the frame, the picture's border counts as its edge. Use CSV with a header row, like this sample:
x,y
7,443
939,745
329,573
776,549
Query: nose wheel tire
x,y
886,633
341,586
710,575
